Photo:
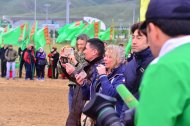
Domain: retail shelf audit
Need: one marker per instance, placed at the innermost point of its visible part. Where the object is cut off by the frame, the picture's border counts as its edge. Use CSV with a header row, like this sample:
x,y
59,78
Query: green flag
x,y
92,30
68,30
62,29
75,31
24,37
88,30
1,40
128,47
106,35
41,38
12,36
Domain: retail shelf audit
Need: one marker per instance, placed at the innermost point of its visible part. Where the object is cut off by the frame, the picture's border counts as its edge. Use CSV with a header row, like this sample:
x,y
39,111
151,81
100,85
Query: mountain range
x,y
122,12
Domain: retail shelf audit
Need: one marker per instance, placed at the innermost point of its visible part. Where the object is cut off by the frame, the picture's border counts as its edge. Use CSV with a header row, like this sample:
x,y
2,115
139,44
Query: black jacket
x,y
2,54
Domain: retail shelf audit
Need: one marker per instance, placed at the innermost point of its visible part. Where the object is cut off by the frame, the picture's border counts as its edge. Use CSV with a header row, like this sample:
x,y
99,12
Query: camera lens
x,y
108,117
101,109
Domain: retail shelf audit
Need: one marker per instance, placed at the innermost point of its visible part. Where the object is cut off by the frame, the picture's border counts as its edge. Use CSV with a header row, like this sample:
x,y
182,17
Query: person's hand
x,y
101,69
69,68
80,77
72,59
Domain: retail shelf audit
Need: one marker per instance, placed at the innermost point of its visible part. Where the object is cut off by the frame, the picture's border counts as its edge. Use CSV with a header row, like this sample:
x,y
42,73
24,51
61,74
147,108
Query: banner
x,y
143,9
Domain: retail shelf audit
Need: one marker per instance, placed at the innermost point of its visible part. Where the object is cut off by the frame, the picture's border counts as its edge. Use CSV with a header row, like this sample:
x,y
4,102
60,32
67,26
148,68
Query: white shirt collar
x,y
171,44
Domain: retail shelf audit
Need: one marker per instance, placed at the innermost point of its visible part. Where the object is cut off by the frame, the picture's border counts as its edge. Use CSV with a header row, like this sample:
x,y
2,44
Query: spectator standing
x,y
21,59
10,56
3,60
41,63
53,60
29,59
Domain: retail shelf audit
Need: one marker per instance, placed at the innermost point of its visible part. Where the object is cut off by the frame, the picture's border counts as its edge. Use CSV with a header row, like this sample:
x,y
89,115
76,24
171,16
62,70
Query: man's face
x,y
5,46
10,47
139,42
81,45
90,53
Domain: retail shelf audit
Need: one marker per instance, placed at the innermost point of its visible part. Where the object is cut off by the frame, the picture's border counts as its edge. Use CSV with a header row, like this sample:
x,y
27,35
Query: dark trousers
x,y
74,118
29,71
20,68
3,68
40,71
70,95
55,72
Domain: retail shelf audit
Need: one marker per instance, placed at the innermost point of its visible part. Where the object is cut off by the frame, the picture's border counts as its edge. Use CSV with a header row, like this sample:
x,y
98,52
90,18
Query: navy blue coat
x,y
133,70
109,83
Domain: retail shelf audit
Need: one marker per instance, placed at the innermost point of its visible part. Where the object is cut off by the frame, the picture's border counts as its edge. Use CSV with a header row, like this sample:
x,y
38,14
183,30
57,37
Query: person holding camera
x,y
77,63
93,53
111,75
165,88
77,60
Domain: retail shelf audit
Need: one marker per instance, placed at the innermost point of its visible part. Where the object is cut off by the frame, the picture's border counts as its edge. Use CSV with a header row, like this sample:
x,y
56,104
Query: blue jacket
x,y
133,70
109,84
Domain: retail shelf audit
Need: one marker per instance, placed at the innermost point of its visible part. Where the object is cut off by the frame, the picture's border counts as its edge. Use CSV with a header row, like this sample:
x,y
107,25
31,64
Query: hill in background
x,y
121,11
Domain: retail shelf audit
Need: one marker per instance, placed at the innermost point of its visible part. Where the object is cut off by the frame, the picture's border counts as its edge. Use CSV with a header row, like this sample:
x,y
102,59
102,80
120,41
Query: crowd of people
x,y
33,61
156,73
105,68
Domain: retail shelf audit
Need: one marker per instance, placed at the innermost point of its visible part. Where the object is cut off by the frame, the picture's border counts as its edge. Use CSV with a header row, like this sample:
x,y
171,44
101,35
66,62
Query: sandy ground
x,y
33,102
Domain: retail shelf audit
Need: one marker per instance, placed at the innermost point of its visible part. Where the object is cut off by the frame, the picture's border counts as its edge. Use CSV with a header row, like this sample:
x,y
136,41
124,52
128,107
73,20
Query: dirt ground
x,y
33,102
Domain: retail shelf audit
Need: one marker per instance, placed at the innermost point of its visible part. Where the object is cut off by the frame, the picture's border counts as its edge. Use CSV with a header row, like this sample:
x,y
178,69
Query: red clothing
x,y
27,57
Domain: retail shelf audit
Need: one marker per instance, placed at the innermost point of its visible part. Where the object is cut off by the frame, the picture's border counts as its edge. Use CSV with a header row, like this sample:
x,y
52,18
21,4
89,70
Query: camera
x,y
101,108
68,51
64,59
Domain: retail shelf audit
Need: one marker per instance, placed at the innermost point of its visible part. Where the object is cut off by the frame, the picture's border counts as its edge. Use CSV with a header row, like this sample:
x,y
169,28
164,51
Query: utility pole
x,y
47,6
34,10
67,11
134,14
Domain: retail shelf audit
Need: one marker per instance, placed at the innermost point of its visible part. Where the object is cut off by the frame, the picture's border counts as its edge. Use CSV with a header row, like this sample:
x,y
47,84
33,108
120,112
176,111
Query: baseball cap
x,y
167,9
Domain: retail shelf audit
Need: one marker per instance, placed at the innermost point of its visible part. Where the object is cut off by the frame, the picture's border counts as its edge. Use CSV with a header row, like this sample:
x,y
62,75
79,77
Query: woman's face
x,y
81,45
109,60
41,50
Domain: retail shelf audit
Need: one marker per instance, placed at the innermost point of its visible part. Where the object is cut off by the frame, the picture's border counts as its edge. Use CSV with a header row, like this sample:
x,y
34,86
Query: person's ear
x,y
153,31
95,52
